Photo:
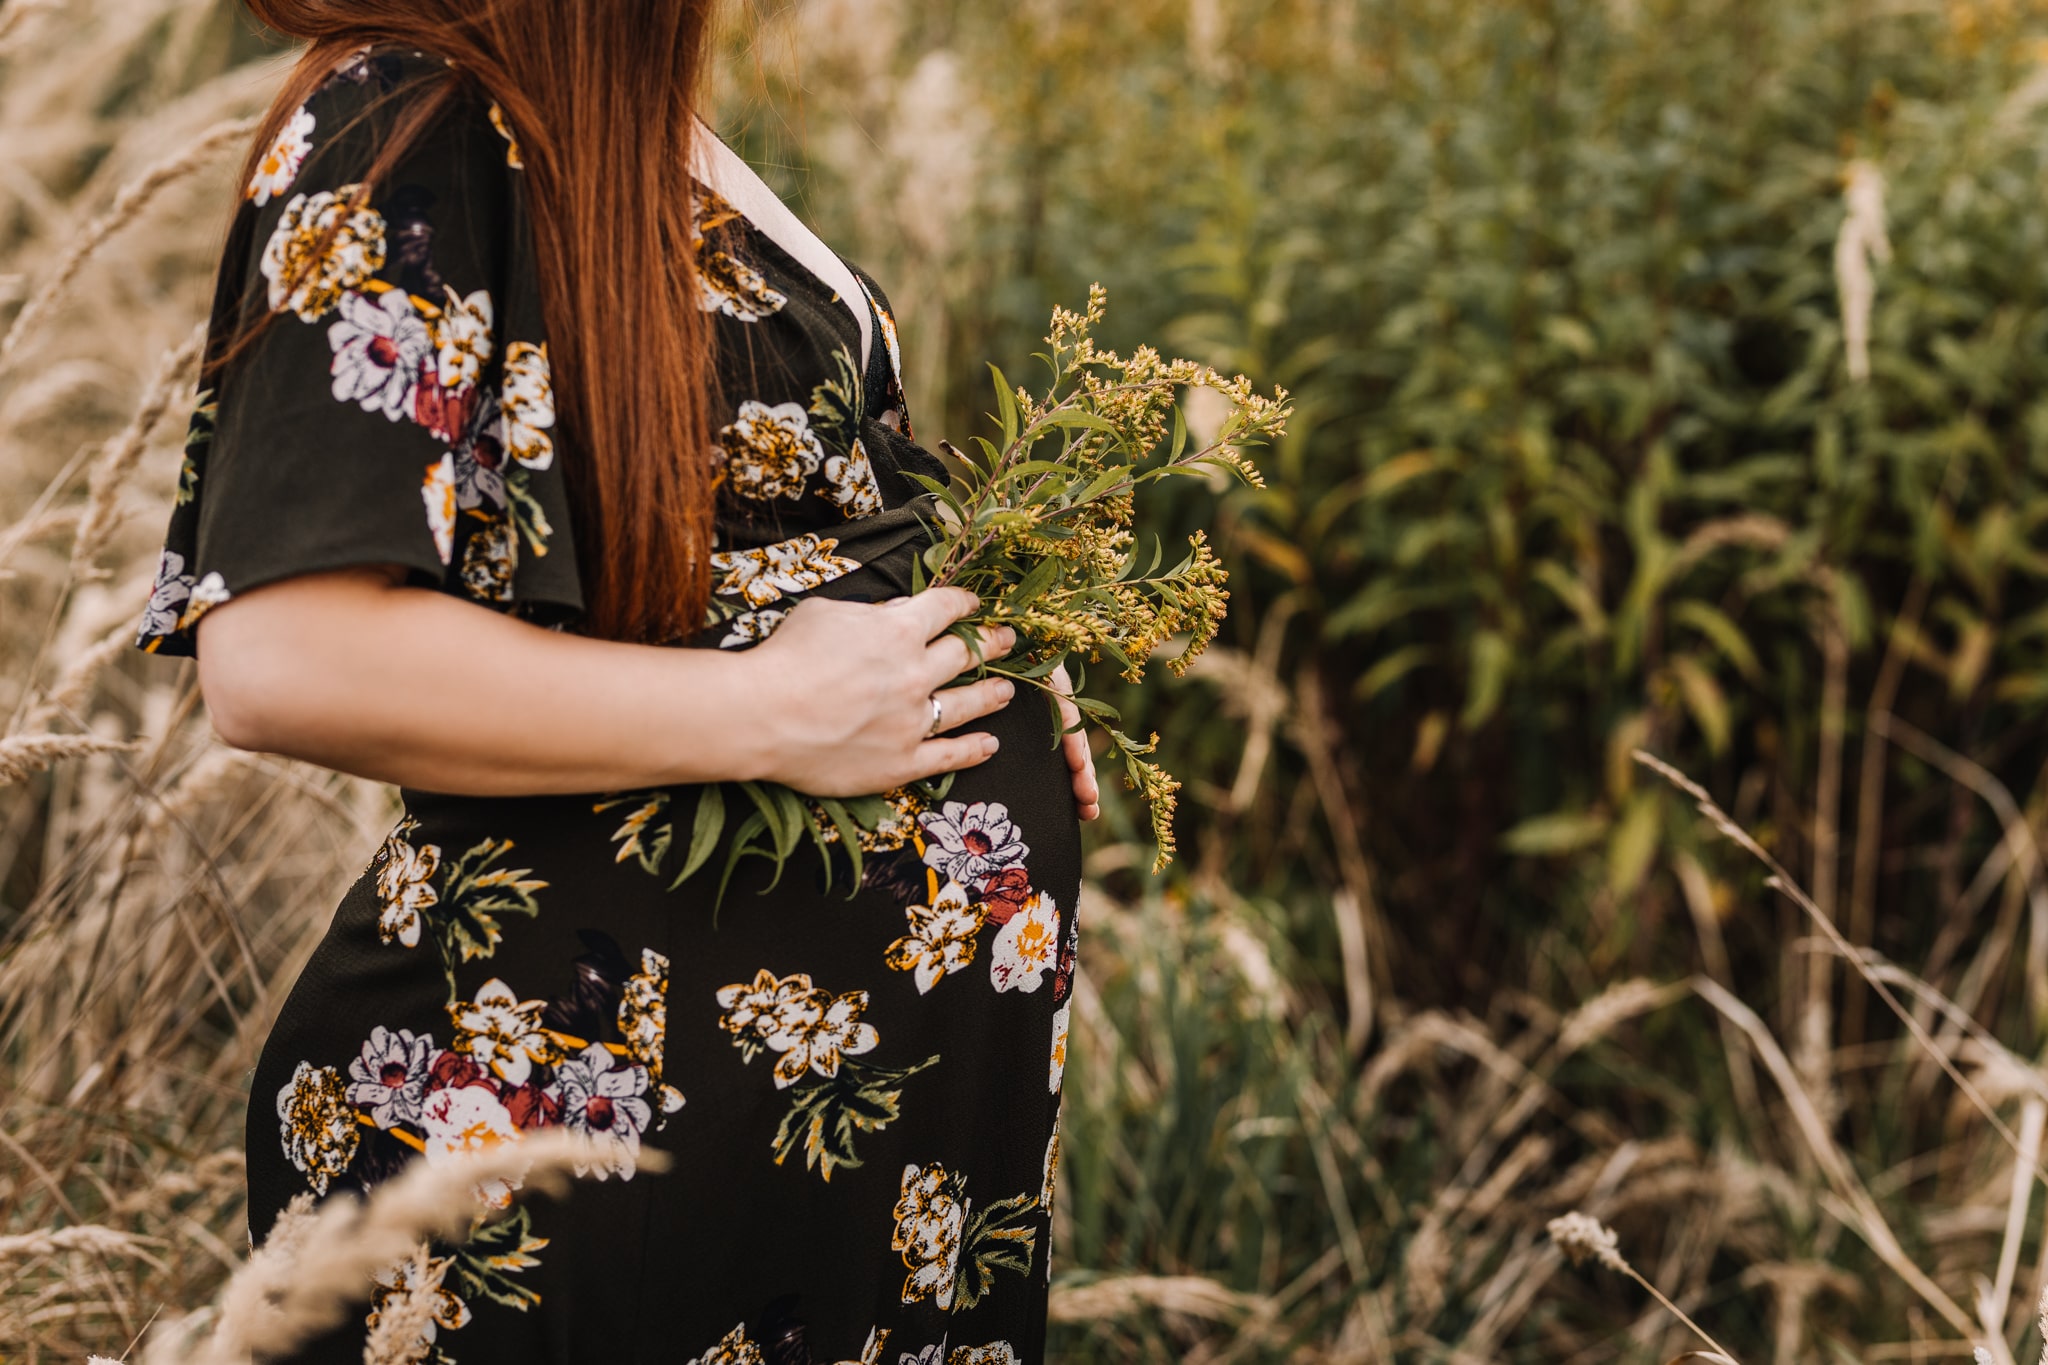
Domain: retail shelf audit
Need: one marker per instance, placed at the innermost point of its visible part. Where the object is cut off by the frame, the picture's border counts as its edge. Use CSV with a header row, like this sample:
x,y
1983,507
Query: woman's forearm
x,y
415,687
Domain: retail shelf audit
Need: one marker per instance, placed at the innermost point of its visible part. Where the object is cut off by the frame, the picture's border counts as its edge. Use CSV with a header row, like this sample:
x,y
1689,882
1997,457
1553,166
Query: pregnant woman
x,y
547,466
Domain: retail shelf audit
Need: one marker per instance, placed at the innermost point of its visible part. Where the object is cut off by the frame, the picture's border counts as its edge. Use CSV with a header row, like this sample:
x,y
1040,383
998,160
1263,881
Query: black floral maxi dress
x,y
859,1096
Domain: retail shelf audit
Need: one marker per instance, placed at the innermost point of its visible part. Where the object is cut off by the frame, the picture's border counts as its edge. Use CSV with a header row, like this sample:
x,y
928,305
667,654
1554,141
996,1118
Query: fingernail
x,y
1007,690
989,744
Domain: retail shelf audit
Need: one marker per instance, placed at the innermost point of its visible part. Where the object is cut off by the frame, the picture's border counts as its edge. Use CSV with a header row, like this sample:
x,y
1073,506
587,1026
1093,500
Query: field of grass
x,y
1672,378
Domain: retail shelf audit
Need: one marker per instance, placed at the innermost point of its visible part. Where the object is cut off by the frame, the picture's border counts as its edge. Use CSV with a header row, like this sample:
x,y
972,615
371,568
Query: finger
x,y
1091,812
935,608
949,655
958,705
951,753
1081,762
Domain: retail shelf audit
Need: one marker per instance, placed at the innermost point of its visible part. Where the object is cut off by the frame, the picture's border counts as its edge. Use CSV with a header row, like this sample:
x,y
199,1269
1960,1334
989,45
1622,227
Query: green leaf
x,y
1726,636
849,834
1007,414
1559,832
704,831
1491,660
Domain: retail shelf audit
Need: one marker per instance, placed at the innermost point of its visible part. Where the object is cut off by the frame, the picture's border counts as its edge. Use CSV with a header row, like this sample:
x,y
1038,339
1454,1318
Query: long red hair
x,y
601,98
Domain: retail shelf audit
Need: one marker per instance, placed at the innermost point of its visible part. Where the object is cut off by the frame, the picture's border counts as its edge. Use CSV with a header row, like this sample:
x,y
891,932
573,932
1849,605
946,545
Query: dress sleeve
x,y
378,389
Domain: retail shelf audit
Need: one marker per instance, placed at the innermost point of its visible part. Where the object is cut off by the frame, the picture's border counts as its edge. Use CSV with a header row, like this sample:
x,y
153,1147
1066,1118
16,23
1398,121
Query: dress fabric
x,y
857,1089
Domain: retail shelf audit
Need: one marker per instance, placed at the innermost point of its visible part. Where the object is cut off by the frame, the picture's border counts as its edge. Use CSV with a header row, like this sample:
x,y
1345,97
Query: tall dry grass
x,y
1273,1151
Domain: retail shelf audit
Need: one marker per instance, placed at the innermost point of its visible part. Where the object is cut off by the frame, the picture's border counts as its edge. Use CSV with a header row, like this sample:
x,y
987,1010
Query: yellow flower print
x,y
816,1033
1050,1176
735,1349
405,885
528,399
489,559
1057,1072
1025,946
280,165
930,1215
437,491
850,483
318,1123
770,452
941,938
726,284
394,1285
750,628
512,157
503,1032
308,278
462,339
750,1007
767,574
995,1353
643,1020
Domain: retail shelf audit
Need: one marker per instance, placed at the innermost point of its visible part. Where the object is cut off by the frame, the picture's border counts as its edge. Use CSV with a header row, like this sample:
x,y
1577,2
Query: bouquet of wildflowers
x,y
1041,526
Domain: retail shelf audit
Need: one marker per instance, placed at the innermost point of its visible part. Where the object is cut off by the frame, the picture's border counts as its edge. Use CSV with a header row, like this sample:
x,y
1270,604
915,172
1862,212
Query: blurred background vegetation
x,y
1668,376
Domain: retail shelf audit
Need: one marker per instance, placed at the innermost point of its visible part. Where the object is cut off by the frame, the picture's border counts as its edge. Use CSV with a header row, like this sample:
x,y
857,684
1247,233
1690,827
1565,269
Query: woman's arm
x,y
349,670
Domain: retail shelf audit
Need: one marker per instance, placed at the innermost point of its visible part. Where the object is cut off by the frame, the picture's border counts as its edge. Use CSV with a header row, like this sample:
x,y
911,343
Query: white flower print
x,y
971,843
995,1353
462,339
318,1124
311,280
437,491
850,483
751,627
528,398
929,1218
934,1354
389,1078
767,574
208,593
280,165
405,885
751,1007
941,938
1026,946
490,557
464,1119
449,1313
735,1349
378,343
500,1031
1061,1018
1050,1177
167,597
480,456
770,451
605,1106
814,1032
643,1007
728,285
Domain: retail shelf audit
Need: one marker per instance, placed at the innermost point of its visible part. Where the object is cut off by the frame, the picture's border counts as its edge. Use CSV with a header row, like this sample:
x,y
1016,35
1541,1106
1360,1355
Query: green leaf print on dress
x,y
816,1034
952,1251
463,910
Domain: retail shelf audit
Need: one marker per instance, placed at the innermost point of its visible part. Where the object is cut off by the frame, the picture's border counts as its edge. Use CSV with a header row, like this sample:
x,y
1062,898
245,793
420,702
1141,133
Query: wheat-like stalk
x,y
127,207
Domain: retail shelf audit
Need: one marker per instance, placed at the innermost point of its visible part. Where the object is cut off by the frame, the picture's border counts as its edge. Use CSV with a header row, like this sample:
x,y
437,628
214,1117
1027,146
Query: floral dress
x,y
857,1088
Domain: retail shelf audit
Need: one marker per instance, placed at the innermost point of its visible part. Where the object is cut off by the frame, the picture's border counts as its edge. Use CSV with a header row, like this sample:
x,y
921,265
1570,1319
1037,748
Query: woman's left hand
x,y
1087,795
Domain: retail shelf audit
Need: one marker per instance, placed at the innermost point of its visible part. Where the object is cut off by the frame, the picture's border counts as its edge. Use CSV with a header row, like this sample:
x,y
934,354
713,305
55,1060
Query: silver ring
x,y
938,717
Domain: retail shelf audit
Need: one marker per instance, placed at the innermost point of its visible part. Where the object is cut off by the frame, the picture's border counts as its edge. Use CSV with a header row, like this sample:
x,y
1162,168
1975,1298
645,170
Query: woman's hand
x,y
845,693
1080,760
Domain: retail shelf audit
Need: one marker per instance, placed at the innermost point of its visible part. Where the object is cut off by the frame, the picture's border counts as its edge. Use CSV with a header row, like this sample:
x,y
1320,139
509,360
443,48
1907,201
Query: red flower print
x,y
452,1070
1004,894
531,1106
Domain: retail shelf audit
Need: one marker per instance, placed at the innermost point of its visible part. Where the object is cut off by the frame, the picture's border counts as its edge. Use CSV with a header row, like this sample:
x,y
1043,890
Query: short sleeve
x,y
378,388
